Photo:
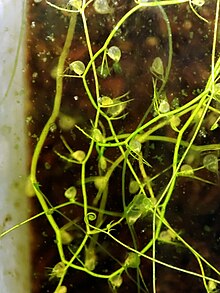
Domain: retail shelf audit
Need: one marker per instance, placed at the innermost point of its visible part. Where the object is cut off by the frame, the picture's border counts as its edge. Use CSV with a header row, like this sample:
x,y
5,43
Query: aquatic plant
x,y
117,218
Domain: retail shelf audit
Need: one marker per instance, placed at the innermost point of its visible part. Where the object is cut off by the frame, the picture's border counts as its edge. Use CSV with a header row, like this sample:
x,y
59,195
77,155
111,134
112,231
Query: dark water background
x,y
195,206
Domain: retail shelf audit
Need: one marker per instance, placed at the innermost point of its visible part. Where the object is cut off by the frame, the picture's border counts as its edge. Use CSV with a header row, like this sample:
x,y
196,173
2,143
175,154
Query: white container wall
x,y
14,247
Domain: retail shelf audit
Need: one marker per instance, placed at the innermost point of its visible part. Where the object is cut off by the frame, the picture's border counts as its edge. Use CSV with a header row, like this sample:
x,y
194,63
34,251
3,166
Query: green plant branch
x,y
46,129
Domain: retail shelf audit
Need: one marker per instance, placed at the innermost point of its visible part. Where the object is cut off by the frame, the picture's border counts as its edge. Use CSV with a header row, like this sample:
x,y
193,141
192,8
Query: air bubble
x,y
116,281
102,163
135,146
97,135
58,270
210,162
186,170
90,258
78,67
114,53
133,187
175,122
167,236
198,2
70,193
66,237
66,122
164,107
77,4
116,110
132,261
157,67
102,7
78,155
106,101
137,208
100,182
